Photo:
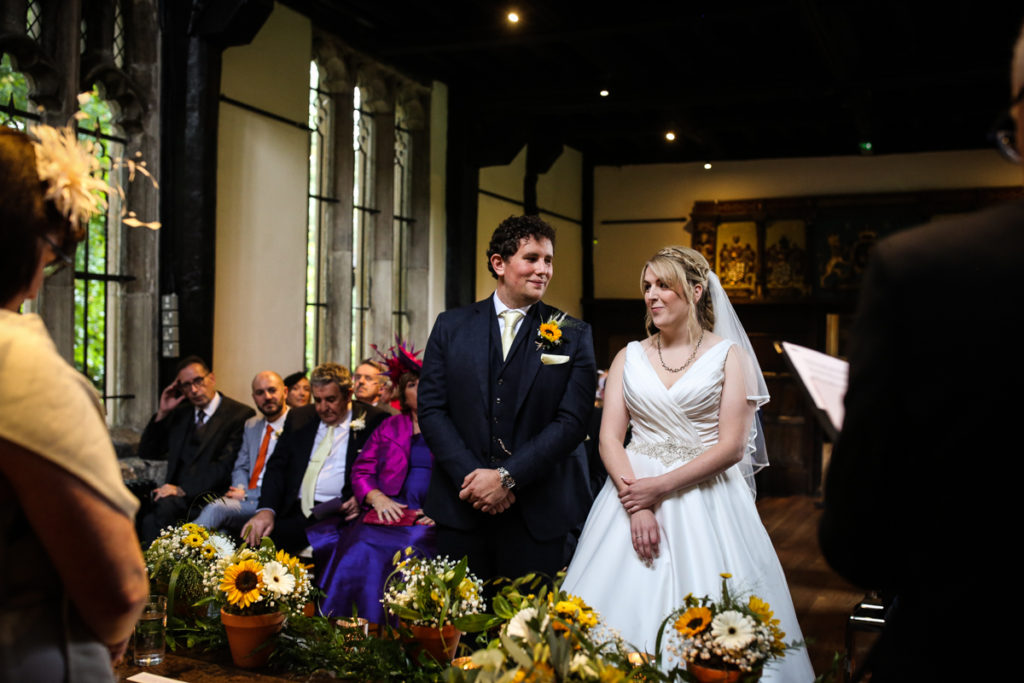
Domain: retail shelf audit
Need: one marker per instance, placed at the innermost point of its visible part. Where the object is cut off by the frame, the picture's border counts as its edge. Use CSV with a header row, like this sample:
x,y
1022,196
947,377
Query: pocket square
x,y
553,359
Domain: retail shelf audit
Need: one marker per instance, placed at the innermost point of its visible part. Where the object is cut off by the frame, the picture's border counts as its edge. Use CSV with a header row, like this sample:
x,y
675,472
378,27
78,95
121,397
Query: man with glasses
x,y
198,431
922,493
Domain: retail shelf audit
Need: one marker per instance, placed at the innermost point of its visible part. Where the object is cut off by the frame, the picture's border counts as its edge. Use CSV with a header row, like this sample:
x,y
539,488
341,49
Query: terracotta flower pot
x,y
248,636
707,675
439,643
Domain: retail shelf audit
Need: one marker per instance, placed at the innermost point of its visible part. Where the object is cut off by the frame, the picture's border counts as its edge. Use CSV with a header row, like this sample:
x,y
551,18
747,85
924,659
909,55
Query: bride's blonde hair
x,y
680,268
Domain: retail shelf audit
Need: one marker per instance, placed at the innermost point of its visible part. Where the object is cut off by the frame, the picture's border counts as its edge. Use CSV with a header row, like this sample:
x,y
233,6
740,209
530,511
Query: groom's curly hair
x,y
512,232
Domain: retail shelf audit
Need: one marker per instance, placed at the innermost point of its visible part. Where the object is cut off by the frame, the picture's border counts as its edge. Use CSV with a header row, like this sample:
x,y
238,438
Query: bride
x,y
677,509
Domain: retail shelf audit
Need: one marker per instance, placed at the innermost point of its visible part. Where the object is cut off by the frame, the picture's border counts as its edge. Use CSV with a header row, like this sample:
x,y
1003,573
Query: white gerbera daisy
x,y
223,544
732,630
277,578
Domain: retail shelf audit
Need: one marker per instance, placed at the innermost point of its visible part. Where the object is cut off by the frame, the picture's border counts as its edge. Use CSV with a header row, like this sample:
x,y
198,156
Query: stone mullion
x,y
338,237
380,331
62,31
138,345
418,262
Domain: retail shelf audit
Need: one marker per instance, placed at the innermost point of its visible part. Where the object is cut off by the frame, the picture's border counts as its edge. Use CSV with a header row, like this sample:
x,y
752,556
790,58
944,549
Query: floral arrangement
x,y
731,634
546,635
180,556
433,591
259,581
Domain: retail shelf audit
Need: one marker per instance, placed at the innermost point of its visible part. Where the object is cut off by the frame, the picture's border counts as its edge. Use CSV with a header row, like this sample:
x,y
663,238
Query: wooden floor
x,y
822,599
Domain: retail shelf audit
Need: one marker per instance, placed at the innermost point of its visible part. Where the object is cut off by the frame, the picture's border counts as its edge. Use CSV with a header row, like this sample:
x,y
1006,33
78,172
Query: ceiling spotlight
x,y
513,17
604,93
670,136
707,165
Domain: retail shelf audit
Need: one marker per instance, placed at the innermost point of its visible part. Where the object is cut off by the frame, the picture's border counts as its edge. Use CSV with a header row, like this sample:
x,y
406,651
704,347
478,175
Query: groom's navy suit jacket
x,y
552,409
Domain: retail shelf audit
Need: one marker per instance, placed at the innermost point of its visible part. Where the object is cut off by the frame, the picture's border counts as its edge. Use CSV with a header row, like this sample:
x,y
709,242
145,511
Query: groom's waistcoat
x,y
504,383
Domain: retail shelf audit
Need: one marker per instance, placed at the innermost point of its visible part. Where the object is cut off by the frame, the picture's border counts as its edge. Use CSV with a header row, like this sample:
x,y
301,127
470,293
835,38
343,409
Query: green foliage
x,y
13,84
316,645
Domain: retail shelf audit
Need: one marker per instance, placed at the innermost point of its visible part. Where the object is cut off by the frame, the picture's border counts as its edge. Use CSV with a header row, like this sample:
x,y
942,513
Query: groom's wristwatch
x,y
506,479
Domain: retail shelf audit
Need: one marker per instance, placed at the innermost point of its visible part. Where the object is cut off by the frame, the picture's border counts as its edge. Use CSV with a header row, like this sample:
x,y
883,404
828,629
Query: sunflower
x,y
191,528
209,552
194,540
551,331
291,561
693,621
760,608
242,583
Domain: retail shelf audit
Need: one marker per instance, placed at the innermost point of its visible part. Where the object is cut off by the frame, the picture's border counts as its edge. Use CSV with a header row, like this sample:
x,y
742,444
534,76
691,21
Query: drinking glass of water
x,y
149,632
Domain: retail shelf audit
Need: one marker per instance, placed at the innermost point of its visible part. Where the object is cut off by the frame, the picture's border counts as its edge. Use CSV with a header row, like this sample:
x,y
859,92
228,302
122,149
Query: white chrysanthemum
x,y
277,578
519,627
223,544
732,630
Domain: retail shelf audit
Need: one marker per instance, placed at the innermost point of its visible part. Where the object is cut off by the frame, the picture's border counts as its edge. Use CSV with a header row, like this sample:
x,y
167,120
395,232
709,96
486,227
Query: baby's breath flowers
x,y
431,591
186,552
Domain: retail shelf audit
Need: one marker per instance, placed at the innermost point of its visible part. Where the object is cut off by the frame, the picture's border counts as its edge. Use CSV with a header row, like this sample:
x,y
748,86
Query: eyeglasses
x,y
196,383
60,258
1004,131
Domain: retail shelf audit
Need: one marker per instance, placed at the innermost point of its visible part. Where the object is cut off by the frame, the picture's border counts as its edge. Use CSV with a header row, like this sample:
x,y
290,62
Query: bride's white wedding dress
x,y
705,530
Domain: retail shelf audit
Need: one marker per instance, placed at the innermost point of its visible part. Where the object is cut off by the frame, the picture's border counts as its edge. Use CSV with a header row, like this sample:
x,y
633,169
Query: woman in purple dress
x,y
390,478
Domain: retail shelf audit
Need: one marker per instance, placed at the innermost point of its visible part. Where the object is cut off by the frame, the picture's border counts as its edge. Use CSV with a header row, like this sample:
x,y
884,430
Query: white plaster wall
x,y
670,190
262,178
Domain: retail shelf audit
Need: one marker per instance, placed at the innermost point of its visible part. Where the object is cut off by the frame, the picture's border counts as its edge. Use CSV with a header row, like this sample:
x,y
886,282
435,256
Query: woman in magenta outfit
x,y
390,478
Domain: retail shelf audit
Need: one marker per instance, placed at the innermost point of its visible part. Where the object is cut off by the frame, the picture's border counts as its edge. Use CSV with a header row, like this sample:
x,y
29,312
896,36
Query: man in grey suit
x,y
258,443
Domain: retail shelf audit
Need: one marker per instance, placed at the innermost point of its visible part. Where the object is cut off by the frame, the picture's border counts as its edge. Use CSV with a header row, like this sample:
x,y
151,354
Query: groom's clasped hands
x,y
482,487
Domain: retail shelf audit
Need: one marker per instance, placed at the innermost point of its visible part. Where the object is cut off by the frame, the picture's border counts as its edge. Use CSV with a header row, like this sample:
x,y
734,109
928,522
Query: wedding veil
x,y
728,326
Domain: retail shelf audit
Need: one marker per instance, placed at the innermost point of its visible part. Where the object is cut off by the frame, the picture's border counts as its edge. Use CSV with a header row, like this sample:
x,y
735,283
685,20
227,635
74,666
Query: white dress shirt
x,y
331,479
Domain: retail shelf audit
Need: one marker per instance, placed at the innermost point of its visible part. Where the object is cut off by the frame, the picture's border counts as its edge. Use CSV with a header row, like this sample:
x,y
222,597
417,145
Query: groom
x,y
504,404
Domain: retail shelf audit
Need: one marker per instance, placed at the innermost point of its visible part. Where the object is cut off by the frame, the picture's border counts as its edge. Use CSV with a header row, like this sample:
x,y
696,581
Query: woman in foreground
x,y
677,509
72,579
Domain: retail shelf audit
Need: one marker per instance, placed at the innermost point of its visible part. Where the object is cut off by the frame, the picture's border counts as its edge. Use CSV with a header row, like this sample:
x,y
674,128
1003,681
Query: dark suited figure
x,y
310,475
925,473
198,431
507,429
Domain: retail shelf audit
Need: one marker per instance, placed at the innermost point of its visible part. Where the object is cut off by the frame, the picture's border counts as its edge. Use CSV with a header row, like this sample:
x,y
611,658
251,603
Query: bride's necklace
x,y
688,360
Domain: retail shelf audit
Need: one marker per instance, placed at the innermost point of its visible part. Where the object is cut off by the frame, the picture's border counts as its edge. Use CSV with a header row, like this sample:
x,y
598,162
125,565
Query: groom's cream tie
x,y
511,317
316,463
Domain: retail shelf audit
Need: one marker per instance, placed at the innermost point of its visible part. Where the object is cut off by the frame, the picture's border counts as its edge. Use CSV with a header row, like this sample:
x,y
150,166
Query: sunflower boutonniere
x,y
549,334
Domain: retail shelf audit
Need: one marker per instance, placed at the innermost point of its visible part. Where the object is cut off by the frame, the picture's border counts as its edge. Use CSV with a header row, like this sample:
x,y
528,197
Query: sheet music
x,y
824,376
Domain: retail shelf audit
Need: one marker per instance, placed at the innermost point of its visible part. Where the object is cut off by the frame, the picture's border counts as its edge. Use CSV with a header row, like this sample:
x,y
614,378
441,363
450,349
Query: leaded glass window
x,y
320,199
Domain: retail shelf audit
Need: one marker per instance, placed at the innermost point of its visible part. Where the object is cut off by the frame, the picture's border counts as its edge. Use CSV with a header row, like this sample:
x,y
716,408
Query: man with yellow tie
x,y
258,443
312,464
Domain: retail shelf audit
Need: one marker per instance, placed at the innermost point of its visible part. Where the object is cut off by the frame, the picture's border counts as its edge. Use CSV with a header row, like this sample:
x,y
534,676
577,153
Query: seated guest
x,y
198,431
311,467
298,390
389,478
369,383
258,443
